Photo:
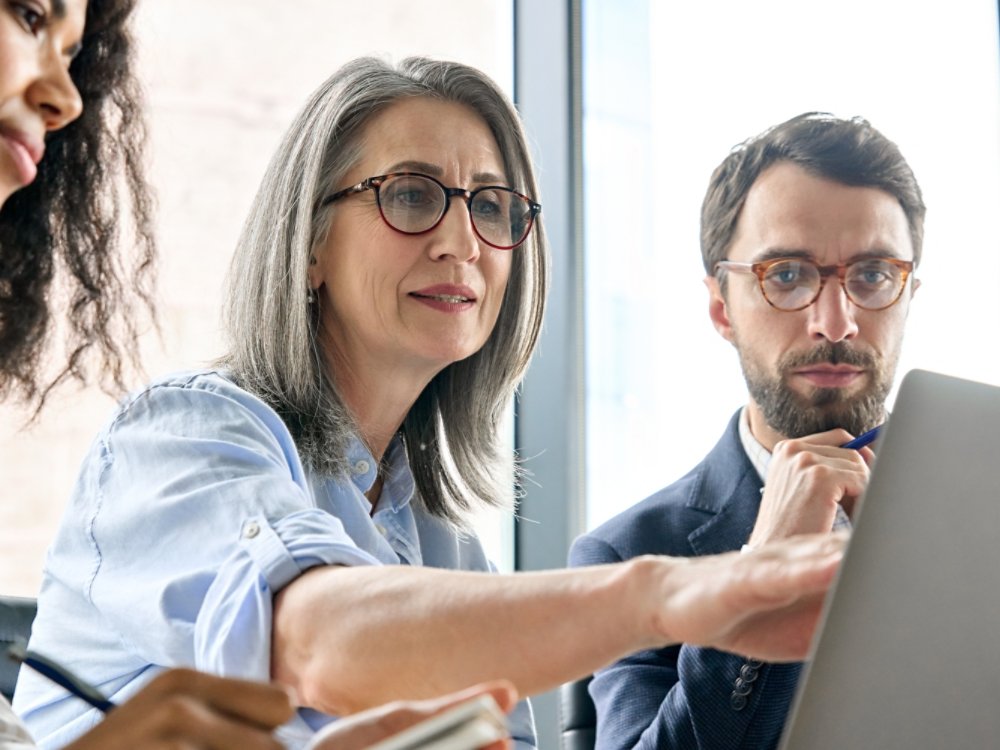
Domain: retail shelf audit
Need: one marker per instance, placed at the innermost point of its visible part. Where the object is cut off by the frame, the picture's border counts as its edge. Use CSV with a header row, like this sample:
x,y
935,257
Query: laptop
x,y
908,654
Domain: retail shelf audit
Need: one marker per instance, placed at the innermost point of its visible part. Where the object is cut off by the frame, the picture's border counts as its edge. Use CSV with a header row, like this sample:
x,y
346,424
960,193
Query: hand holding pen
x,y
807,478
60,676
182,707
864,439
179,707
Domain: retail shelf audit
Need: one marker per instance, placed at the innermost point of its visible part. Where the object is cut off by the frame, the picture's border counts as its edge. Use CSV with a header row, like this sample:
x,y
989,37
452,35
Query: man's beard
x,y
794,415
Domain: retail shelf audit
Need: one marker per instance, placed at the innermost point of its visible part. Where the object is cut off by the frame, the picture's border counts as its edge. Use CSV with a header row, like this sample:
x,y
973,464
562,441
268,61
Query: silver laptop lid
x,y
909,651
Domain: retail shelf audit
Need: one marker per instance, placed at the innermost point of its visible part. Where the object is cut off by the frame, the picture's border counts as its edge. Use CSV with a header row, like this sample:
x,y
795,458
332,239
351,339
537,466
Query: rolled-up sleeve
x,y
192,510
200,514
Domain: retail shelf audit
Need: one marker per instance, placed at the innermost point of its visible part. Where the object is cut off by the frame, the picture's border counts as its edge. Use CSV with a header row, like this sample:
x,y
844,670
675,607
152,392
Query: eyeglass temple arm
x,y
361,187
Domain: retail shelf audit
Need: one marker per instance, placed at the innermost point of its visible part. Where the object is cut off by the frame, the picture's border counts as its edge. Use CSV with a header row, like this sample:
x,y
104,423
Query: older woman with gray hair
x,y
300,513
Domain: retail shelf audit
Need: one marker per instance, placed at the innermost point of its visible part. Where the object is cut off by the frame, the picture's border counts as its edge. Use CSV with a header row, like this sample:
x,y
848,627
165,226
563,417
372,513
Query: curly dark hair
x,y
89,199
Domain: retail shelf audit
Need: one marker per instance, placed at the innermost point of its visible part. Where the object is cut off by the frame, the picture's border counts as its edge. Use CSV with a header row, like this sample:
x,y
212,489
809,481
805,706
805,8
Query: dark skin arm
x,y
183,708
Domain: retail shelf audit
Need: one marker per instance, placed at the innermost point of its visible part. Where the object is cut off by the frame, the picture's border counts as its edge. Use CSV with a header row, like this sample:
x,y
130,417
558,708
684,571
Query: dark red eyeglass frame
x,y
374,183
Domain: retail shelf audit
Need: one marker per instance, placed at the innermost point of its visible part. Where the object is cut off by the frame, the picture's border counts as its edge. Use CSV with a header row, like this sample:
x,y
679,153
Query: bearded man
x,y
809,234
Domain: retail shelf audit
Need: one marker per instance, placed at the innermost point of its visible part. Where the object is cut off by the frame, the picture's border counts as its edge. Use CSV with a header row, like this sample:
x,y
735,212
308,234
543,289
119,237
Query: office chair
x,y
16,615
577,716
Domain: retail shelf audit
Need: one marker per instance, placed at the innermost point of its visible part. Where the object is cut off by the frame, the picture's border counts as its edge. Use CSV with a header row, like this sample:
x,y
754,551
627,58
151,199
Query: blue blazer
x,y
684,696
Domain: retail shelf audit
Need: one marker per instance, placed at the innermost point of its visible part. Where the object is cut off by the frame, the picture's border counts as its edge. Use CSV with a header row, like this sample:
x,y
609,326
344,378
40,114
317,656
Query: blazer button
x,y
738,702
742,688
748,673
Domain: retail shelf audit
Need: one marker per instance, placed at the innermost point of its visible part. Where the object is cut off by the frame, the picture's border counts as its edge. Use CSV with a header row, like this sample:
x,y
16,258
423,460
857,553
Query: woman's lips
x,y
446,297
444,302
25,153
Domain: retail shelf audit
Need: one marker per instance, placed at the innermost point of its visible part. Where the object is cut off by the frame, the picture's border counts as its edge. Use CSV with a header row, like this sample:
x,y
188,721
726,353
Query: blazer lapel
x,y
728,488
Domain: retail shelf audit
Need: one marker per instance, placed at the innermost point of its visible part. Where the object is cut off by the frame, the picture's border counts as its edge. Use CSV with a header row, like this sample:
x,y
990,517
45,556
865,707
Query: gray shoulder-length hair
x,y
452,431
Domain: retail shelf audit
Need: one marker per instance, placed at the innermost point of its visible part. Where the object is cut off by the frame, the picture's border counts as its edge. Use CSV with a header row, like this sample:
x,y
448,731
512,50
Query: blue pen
x,y
61,676
862,440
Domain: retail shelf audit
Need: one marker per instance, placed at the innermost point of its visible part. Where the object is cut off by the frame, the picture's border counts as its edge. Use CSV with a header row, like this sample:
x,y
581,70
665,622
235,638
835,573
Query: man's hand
x,y
182,708
368,727
763,604
806,480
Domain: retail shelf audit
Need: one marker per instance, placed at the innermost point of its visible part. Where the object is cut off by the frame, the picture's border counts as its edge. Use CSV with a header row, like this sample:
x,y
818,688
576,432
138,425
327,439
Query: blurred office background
x,y
629,104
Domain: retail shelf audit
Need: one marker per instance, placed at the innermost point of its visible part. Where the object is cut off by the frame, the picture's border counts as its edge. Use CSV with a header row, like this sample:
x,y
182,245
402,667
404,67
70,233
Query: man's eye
x,y
873,278
874,275
785,275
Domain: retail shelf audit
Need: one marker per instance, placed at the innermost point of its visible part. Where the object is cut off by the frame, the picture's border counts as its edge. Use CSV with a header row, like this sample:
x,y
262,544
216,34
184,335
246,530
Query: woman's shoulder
x,y
215,381
188,430
208,395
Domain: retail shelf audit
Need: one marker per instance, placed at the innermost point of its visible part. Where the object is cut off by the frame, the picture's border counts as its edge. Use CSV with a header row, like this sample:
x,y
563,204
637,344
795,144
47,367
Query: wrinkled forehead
x,y
790,211
444,139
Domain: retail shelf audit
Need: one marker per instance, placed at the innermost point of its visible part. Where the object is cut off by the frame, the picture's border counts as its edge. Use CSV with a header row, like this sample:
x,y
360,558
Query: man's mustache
x,y
832,353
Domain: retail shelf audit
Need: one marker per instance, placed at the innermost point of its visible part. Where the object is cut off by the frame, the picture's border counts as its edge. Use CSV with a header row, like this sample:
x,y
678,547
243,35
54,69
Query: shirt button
x,y
380,529
362,467
251,530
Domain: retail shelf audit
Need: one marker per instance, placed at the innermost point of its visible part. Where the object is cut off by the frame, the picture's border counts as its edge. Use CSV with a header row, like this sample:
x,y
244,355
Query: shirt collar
x,y
759,456
398,486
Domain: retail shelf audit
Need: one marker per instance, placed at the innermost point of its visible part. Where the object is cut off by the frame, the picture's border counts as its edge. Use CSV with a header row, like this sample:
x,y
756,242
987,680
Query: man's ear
x,y
717,309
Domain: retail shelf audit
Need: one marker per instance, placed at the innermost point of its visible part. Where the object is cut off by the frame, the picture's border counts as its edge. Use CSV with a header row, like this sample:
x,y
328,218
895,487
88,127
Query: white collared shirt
x,y
760,457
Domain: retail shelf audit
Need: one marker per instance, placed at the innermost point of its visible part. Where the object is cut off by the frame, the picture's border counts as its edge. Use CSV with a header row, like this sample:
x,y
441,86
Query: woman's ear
x,y
718,311
315,279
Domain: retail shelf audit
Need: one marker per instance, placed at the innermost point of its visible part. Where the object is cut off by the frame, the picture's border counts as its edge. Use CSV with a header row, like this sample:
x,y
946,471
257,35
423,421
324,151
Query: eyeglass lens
x,y
871,283
414,204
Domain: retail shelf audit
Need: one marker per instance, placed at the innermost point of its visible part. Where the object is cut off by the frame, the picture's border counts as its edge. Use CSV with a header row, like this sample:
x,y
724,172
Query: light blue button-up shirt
x,y
191,511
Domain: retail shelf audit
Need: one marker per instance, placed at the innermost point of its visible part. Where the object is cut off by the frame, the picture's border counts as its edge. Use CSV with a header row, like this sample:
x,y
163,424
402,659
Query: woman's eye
x,y
493,206
30,17
409,197
486,208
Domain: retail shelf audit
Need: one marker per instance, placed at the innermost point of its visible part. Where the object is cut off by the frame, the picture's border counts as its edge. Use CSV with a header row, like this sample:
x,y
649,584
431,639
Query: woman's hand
x,y
374,725
763,604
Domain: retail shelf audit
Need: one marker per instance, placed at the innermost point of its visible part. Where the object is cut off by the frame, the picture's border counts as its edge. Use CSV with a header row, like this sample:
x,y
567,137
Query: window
x,y
669,88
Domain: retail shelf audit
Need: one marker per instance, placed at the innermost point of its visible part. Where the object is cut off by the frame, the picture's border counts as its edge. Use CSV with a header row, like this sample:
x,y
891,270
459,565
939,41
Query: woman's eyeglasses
x,y
795,283
416,203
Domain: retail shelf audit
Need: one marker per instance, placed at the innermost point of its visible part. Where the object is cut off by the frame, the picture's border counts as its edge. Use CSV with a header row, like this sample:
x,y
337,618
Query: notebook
x,y
908,654
469,725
